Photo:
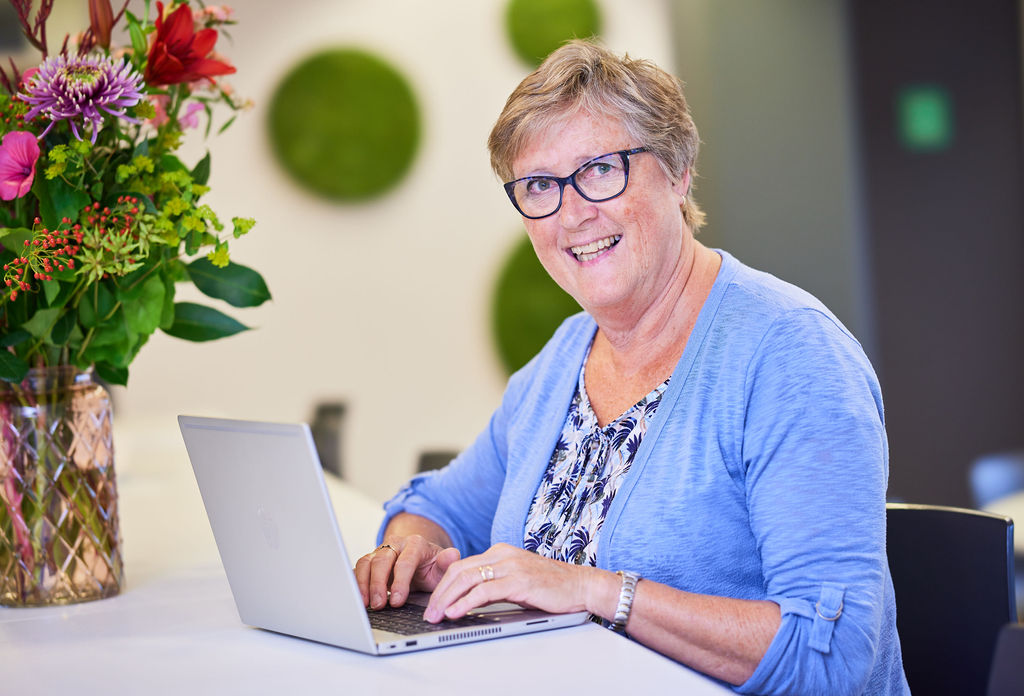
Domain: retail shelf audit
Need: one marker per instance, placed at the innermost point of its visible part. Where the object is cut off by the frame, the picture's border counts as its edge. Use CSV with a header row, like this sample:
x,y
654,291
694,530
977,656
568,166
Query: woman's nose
x,y
575,208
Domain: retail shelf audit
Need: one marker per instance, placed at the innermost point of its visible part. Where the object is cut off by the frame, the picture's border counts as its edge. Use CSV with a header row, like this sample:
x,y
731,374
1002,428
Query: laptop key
x,y
408,620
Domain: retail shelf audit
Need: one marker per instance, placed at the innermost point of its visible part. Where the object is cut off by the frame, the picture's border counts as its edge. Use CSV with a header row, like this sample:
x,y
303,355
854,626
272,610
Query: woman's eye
x,y
597,169
535,187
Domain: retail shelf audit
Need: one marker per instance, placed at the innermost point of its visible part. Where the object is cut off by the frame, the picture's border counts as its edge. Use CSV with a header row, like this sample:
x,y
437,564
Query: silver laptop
x,y
283,554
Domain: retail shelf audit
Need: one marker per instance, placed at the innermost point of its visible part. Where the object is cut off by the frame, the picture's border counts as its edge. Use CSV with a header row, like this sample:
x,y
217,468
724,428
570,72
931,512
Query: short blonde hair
x,y
583,76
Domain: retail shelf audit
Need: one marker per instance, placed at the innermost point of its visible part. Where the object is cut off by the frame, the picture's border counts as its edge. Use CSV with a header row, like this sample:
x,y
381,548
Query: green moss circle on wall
x,y
537,27
345,124
528,307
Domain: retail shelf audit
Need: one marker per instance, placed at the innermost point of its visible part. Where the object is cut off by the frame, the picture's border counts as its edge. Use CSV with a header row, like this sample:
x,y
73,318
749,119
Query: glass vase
x,y
59,537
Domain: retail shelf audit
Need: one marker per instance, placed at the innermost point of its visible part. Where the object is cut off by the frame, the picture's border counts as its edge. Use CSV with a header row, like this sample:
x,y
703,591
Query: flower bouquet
x,y
100,219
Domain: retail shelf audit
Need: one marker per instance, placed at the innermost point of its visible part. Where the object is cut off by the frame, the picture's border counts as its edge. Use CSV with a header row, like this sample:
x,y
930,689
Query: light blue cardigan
x,y
762,476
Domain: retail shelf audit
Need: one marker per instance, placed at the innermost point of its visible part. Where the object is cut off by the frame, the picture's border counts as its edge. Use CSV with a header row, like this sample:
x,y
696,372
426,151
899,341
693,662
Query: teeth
x,y
586,252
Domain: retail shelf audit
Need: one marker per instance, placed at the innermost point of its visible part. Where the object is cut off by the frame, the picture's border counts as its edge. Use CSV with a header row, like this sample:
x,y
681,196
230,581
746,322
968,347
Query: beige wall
x,y
383,305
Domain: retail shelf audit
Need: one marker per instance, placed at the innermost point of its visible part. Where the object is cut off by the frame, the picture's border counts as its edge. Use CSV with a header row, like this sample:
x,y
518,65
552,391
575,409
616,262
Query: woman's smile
x,y
592,250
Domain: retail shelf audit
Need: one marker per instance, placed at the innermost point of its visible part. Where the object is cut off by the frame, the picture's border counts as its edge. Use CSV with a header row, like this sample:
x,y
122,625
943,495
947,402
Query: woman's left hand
x,y
508,573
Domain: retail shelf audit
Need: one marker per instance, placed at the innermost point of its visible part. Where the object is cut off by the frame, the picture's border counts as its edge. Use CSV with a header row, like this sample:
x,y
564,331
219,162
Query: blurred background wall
x,y
871,152
385,305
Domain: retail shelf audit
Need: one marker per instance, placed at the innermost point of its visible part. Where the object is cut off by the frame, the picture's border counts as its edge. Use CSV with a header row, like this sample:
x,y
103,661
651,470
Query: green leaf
x,y
111,374
137,35
194,322
170,163
62,329
113,342
42,321
96,304
226,125
238,285
14,338
51,289
167,314
57,200
14,238
143,312
12,368
201,173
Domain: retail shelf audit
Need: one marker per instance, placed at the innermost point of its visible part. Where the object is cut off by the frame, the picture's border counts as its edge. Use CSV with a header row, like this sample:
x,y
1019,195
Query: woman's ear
x,y
682,187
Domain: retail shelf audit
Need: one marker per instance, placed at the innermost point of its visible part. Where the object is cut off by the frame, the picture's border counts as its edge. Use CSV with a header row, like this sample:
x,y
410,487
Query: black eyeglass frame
x,y
571,180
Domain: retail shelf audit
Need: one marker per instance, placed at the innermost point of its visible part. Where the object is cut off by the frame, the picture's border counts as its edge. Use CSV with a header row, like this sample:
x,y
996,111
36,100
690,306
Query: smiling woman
x,y
698,459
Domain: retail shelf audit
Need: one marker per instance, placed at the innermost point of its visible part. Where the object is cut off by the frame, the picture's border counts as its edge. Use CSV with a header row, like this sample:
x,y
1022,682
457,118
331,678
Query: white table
x,y
1012,506
174,628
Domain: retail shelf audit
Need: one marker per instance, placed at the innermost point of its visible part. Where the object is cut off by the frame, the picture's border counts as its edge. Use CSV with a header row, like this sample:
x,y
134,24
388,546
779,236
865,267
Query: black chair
x,y
952,570
1007,675
434,459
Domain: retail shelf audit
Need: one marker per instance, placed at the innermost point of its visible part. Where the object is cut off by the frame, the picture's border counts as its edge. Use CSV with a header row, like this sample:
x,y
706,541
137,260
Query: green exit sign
x,y
925,117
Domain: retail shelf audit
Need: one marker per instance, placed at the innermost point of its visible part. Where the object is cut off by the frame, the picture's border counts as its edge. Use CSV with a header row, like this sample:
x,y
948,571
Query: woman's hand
x,y
414,556
508,573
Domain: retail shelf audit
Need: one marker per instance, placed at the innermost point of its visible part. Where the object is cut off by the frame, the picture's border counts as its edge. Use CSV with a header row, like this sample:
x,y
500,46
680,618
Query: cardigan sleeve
x,y
816,465
463,496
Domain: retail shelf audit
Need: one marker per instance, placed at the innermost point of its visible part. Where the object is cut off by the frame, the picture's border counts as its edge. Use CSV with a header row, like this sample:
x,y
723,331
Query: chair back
x,y
434,459
1007,675
952,571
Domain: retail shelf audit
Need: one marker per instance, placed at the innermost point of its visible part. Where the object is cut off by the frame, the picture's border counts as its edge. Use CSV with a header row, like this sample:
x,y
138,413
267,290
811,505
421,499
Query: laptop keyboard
x,y
408,620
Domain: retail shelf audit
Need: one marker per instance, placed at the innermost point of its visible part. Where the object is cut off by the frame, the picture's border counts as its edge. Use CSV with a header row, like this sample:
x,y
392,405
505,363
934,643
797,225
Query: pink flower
x,y
160,102
18,154
218,13
190,119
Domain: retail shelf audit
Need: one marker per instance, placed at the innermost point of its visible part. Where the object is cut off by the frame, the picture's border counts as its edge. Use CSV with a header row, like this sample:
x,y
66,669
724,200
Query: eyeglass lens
x,y
598,180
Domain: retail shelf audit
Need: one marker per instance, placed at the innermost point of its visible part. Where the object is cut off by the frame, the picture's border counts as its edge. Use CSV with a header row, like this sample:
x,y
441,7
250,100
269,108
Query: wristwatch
x,y
626,594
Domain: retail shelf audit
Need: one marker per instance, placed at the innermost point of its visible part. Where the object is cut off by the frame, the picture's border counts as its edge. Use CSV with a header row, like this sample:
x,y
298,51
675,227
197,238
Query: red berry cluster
x,y
13,113
48,251
115,228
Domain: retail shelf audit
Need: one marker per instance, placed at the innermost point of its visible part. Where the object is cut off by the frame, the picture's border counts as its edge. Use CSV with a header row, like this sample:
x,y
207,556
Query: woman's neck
x,y
637,340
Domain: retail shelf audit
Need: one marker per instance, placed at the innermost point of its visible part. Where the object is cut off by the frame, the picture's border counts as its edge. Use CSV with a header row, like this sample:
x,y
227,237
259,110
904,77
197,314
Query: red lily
x,y
180,53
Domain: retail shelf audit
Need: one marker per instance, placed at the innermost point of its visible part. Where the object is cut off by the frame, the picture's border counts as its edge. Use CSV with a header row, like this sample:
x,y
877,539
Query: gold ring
x,y
487,573
386,546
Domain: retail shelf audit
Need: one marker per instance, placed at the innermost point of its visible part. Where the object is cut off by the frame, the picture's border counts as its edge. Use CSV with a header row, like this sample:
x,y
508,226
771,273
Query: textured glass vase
x,y
59,538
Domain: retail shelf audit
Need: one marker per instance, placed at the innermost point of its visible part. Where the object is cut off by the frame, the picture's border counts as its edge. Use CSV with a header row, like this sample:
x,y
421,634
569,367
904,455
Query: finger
x,y
382,561
445,560
460,579
480,595
463,571
415,554
362,571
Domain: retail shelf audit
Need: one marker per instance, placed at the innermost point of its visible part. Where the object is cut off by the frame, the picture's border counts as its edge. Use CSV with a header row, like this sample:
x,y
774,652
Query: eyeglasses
x,y
600,179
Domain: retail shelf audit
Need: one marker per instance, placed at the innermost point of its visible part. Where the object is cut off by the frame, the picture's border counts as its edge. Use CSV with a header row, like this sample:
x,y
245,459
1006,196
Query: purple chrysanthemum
x,y
66,87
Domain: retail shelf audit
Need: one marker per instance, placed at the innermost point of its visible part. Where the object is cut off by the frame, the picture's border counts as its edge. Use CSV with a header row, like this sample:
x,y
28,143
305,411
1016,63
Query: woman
x,y
711,432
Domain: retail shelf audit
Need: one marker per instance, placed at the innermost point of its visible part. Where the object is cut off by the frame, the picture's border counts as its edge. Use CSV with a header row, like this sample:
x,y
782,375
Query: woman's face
x,y
619,255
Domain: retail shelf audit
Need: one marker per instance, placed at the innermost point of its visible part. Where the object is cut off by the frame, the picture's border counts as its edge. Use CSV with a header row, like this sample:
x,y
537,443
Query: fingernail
x,y
377,599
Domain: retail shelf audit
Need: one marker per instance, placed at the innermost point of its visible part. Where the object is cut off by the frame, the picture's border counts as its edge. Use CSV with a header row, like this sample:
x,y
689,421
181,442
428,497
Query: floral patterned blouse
x,y
585,470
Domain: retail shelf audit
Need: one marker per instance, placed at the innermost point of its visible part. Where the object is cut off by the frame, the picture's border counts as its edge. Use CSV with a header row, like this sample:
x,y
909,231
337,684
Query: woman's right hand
x,y
403,563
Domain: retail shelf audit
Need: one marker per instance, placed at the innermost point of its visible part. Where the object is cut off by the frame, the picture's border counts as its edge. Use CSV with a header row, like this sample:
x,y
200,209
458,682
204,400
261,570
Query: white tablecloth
x,y
174,628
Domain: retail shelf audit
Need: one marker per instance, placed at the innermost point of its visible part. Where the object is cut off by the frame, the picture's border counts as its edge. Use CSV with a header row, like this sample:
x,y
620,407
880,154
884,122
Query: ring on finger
x,y
386,546
487,573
